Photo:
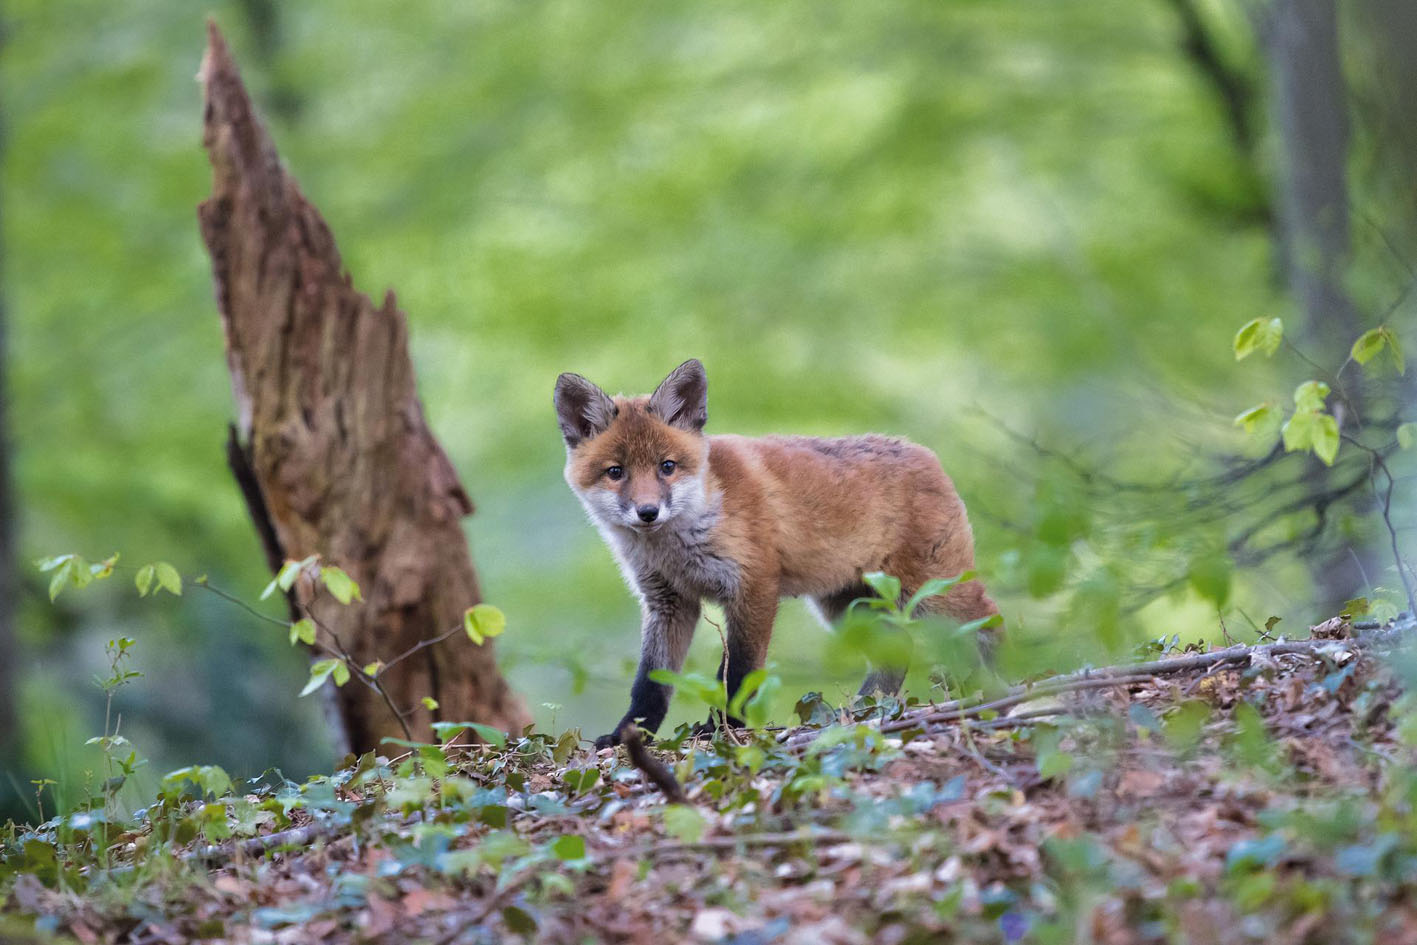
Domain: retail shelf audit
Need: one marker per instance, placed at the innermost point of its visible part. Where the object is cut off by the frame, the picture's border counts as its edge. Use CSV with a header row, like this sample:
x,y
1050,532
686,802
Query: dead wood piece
x,y
336,455
652,767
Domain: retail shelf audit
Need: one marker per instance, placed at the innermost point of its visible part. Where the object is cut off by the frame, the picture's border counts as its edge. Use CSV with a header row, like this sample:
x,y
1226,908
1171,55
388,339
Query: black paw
x,y
608,741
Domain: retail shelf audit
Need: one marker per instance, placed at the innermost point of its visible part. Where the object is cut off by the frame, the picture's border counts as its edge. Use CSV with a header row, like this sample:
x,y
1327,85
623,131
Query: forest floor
x,y
1266,796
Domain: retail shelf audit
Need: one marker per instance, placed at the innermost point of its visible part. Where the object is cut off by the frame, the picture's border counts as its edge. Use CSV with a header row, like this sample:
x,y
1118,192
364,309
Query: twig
x,y
652,767
787,838
1377,461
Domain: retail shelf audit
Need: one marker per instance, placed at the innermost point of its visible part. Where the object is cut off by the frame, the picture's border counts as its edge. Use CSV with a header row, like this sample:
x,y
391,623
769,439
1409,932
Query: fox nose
x,y
647,513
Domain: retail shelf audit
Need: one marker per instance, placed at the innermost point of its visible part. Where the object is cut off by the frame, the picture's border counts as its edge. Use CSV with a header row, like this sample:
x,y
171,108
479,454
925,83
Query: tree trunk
x,y
339,458
1311,118
1310,114
9,576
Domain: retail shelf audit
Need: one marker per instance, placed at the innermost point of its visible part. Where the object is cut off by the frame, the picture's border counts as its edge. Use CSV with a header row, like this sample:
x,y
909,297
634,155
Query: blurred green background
x,y
943,220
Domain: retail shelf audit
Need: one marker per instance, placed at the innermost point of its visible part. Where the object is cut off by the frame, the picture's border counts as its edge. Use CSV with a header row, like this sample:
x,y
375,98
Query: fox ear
x,y
682,400
582,409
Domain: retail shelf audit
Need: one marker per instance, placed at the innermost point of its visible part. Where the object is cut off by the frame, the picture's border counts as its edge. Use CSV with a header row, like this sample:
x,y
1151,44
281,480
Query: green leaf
x,y
1312,429
1210,576
320,670
1395,349
144,579
340,585
341,673
706,690
372,669
518,920
885,586
429,703
746,688
105,567
1326,438
285,577
450,730
935,587
1252,418
570,846
168,579
1368,345
482,621
1356,607
756,711
1259,334
62,575
1311,395
302,631
49,564
1372,342
580,780
684,823
1406,435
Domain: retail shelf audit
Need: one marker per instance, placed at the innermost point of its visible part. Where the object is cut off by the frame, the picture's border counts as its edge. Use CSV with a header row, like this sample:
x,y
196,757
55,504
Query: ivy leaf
x,y
340,585
1310,395
482,621
302,631
450,730
684,823
1260,334
1406,435
144,579
320,670
1252,418
569,846
580,780
168,579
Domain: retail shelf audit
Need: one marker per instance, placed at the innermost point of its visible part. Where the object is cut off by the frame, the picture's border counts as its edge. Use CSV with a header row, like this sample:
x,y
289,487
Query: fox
x,y
744,522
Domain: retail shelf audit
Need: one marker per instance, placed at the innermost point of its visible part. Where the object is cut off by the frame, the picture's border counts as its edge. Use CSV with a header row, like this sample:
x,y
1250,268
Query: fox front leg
x,y
750,620
668,627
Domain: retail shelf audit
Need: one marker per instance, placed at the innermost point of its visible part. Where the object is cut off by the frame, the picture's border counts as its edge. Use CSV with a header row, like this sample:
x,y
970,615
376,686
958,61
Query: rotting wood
x,y
333,434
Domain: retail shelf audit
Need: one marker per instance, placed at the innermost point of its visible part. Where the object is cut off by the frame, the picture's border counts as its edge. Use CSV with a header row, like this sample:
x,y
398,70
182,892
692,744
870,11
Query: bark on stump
x,y
331,447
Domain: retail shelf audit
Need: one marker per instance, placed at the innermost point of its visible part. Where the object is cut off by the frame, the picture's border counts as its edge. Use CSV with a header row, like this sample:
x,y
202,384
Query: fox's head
x,y
637,463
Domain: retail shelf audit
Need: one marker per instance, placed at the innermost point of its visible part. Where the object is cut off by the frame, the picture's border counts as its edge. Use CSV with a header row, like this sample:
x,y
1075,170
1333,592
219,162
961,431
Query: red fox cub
x,y
746,521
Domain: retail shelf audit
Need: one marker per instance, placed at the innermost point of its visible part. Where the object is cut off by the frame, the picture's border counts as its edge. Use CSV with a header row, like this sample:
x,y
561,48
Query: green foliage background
x,y
886,216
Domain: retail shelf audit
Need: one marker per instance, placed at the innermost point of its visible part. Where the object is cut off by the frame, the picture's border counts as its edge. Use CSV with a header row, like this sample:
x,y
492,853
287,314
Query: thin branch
x,y
1379,462
651,766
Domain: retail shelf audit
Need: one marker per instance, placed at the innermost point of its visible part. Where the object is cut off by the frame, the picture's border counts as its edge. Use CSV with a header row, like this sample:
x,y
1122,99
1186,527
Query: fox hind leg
x,y
831,607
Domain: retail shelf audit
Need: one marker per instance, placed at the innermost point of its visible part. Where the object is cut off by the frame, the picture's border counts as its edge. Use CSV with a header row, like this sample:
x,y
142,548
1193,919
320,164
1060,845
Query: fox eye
x,y
667,467
616,473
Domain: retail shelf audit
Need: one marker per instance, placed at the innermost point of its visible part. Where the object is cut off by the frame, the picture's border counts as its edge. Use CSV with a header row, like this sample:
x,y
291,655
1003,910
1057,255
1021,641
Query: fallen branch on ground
x,y
1108,676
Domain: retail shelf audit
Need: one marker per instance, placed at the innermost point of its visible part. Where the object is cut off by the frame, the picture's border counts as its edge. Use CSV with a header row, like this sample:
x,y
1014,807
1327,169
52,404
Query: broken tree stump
x,y
330,447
